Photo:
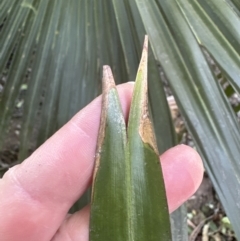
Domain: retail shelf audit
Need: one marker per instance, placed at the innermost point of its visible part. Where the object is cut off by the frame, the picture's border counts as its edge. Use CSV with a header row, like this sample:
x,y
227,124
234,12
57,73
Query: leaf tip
x,y
146,129
145,43
108,80
107,84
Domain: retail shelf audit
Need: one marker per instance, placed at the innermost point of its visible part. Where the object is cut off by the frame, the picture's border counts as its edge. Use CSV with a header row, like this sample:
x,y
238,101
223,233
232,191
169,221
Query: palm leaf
x,y
127,171
57,49
208,115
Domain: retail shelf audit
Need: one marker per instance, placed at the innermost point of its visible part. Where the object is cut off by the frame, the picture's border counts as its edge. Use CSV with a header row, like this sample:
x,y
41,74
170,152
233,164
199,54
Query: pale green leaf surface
x,y
216,27
235,4
128,44
178,218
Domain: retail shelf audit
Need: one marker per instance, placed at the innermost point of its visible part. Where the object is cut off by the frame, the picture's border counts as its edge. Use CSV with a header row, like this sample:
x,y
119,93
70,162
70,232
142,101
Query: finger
x,y
183,172
39,192
75,227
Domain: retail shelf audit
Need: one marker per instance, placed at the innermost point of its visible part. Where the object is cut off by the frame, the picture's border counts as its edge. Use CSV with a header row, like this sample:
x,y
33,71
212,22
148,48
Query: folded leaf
x,y
128,198
109,200
148,211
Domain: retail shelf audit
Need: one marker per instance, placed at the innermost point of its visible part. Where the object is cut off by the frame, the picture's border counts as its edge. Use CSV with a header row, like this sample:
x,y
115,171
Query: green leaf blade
x,y
149,211
209,117
128,199
108,209
215,26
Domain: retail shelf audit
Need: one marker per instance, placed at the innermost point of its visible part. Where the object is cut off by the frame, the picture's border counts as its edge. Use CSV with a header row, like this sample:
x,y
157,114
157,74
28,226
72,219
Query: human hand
x,y
36,195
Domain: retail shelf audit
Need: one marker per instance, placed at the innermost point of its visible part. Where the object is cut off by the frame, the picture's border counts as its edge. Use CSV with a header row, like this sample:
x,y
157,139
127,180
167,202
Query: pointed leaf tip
x,y
145,130
144,58
108,219
107,84
108,80
146,185
145,43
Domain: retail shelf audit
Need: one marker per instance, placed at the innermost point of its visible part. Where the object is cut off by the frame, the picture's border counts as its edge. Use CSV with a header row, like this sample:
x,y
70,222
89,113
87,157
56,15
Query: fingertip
x,y
125,91
183,173
189,159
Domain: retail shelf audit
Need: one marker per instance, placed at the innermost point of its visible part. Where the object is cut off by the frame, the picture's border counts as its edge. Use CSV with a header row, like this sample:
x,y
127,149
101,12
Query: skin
x,y
36,195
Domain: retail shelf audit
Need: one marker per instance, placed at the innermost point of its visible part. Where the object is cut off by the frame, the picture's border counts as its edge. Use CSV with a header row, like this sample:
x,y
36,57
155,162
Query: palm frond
x,y
56,49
